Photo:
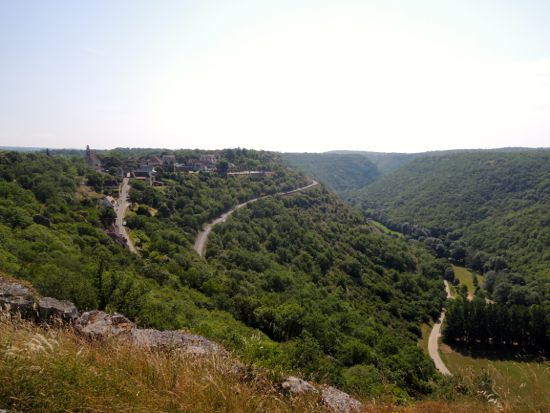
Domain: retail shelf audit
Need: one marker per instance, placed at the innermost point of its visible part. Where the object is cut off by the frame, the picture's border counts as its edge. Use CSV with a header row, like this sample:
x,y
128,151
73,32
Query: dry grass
x,y
519,386
8,278
432,407
55,370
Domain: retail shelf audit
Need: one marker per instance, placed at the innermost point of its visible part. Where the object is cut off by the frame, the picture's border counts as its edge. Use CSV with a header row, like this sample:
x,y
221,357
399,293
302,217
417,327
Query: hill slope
x,y
341,173
301,283
496,202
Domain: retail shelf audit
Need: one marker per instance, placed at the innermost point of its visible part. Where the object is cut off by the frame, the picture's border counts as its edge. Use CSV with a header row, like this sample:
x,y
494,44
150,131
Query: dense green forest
x,y
386,162
309,271
341,173
490,208
298,283
486,210
515,326
489,211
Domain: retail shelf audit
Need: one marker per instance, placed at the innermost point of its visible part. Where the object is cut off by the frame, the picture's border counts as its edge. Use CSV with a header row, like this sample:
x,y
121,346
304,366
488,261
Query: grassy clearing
x,y
465,277
520,385
54,370
424,338
383,229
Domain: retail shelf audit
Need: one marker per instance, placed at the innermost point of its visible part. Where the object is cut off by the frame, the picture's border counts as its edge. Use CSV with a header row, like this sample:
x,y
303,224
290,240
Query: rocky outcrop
x,y
50,309
97,325
189,343
339,401
16,298
296,385
335,399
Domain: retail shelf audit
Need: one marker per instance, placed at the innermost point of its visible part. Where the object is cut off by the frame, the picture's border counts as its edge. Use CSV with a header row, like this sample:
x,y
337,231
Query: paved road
x,y
433,341
202,237
120,209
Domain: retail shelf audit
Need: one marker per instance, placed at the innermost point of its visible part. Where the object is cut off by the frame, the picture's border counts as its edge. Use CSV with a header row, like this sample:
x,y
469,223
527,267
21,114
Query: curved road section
x,y
433,341
202,237
120,209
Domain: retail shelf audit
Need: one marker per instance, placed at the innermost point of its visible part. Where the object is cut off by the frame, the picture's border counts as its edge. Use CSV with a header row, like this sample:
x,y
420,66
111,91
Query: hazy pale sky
x,y
282,75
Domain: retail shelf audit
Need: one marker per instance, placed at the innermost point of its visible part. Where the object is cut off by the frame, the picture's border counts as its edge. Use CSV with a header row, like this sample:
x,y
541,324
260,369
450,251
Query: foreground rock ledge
x,y
95,324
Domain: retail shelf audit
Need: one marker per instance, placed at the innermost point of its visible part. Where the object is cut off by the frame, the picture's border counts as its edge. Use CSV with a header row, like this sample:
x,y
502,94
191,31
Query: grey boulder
x,y
50,309
296,385
16,298
338,401
188,343
98,324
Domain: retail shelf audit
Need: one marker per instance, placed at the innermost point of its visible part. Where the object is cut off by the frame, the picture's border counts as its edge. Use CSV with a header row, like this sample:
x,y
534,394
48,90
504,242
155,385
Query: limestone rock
x,y
16,298
339,401
99,324
296,385
188,343
50,308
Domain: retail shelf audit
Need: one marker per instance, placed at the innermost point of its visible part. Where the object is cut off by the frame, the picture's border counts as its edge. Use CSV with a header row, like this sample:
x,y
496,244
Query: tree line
x,y
479,321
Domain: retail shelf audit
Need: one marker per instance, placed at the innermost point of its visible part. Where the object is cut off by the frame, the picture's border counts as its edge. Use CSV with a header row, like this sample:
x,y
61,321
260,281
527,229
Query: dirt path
x,y
433,341
120,209
202,237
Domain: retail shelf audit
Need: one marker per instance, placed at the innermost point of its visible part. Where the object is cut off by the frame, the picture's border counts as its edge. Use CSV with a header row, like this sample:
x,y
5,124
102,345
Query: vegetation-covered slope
x,y
386,162
495,202
490,211
341,173
55,370
310,272
300,283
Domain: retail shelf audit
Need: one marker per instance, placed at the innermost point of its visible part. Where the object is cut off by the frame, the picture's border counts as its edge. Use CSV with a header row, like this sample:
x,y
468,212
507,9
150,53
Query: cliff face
x,y
22,300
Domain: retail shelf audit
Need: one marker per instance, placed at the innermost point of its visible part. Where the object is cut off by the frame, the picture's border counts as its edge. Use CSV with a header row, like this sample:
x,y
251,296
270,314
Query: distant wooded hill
x,y
341,173
486,209
497,202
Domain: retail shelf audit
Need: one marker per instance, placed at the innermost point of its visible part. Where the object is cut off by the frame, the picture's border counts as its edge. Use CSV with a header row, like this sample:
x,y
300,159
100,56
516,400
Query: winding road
x,y
433,341
120,209
202,237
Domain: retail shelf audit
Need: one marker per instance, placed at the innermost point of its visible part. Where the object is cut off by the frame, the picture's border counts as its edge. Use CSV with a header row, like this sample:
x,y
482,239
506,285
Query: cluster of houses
x,y
147,169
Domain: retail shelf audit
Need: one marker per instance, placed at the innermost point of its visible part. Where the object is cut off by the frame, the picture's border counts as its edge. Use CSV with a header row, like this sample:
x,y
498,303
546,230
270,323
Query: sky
x,y
292,76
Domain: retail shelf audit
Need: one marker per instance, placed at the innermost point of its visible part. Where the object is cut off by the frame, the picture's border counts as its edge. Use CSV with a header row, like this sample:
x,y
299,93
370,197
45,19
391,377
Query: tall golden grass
x,y
54,370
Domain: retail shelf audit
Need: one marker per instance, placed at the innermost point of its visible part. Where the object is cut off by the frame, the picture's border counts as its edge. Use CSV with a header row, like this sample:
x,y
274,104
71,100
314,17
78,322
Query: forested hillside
x,y
341,173
299,283
490,211
310,272
386,162
494,202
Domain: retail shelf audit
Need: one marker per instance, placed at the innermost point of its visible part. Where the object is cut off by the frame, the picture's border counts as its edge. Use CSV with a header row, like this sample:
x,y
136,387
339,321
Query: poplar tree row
x,y
478,321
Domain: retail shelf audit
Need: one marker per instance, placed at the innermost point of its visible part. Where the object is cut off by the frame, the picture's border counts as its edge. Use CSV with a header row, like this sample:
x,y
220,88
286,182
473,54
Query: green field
x,y
464,276
423,340
520,385
383,228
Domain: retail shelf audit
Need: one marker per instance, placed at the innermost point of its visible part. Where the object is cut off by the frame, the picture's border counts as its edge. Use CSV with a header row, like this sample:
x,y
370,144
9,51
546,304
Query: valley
x,y
486,213
295,280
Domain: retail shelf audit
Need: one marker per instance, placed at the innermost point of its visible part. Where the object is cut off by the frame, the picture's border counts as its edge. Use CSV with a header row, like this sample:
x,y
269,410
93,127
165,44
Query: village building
x,y
145,173
108,202
153,161
208,160
168,159
92,160
205,163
